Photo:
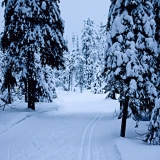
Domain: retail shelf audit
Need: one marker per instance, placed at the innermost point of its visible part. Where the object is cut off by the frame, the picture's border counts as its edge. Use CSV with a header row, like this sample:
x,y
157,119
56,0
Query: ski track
x,y
88,132
54,142
118,153
90,138
64,136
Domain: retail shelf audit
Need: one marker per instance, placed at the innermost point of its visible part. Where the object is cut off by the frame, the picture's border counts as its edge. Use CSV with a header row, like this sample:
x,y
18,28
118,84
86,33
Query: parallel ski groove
x,y
88,131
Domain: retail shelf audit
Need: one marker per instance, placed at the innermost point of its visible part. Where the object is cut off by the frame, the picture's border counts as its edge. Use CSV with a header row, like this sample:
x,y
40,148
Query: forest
x,y
120,58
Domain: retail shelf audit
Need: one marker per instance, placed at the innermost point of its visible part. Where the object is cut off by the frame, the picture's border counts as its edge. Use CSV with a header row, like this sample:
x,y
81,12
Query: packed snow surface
x,y
74,127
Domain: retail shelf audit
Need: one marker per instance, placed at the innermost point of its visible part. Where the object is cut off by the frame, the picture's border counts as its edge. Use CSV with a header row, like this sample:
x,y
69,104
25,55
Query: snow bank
x,y
18,112
132,147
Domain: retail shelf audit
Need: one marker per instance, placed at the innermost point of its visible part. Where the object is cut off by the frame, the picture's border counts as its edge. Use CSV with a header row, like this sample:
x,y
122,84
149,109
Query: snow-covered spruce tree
x,y
98,83
111,87
115,9
122,66
88,45
146,48
79,67
62,75
67,76
153,134
33,41
135,75
70,62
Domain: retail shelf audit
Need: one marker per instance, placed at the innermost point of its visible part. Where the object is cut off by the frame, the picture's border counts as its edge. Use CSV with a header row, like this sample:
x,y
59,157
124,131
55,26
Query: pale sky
x,y
73,12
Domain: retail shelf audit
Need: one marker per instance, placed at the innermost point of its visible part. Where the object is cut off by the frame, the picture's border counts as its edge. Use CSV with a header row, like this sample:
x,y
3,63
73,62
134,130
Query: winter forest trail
x,y
82,129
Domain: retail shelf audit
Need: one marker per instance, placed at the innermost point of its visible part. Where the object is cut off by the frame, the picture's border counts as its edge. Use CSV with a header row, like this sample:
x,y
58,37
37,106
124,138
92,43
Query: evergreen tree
x,y
71,65
67,76
33,41
79,65
153,134
122,63
146,47
62,75
131,57
98,83
88,46
115,7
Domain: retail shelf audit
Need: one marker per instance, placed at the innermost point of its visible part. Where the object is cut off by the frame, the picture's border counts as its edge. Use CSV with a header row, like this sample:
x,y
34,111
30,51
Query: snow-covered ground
x,y
75,127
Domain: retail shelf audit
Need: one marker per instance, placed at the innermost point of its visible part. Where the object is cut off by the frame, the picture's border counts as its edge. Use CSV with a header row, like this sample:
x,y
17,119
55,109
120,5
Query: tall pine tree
x,y
146,47
131,56
153,133
33,41
88,46
98,83
79,67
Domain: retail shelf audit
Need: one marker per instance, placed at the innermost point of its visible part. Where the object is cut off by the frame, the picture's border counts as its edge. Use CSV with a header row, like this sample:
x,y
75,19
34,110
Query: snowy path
x,y
86,142
82,129
95,145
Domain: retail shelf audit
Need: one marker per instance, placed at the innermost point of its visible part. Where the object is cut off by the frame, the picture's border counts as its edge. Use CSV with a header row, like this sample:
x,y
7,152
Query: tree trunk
x,y
26,91
9,99
31,94
81,86
124,117
69,81
31,82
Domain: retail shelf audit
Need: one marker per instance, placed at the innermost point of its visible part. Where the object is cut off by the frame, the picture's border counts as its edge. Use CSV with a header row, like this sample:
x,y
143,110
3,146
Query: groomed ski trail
x,y
82,129
86,142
